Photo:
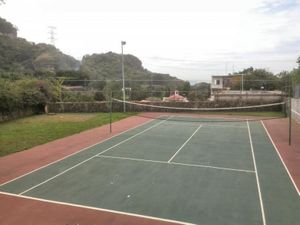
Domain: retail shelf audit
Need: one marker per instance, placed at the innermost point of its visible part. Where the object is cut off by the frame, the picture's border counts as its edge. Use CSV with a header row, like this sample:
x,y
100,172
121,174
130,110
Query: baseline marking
x,y
95,208
256,175
175,163
279,155
88,159
67,156
184,143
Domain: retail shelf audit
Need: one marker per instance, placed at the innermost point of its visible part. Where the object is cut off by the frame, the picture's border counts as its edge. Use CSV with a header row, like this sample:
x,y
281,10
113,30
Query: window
x,y
217,82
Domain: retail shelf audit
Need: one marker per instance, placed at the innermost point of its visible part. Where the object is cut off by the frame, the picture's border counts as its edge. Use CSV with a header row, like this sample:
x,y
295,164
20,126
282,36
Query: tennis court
x,y
176,169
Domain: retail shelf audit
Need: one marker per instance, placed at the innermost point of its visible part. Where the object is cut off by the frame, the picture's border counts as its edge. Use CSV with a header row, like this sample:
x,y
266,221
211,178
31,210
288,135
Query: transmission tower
x,y
52,35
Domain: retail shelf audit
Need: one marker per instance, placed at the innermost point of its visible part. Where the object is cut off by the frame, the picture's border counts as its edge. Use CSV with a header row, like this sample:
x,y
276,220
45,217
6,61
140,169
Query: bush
x,y
22,95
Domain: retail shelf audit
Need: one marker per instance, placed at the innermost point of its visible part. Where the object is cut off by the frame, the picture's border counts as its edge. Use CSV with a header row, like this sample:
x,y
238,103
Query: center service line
x,y
185,143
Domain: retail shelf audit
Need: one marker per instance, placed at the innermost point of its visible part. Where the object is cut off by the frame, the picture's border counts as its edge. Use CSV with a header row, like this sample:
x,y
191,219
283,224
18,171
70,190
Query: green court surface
x,y
207,173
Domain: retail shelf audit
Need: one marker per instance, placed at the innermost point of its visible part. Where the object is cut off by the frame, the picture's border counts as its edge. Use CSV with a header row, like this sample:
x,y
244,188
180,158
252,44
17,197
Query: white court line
x,y
213,167
286,169
209,124
97,209
75,153
223,126
88,159
175,163
257,178
185,143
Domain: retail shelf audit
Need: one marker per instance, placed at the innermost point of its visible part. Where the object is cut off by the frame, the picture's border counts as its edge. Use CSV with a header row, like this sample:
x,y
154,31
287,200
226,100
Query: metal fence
x,y
297,91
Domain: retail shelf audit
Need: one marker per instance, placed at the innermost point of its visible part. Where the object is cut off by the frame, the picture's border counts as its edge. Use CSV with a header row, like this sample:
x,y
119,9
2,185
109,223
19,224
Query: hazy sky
x,y
190,39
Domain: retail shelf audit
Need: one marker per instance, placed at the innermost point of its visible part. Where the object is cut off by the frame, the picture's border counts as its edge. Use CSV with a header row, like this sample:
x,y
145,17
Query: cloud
x,y
278,6
192,39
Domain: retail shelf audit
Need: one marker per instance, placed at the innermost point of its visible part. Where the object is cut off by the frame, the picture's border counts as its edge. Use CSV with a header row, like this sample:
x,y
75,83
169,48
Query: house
x,y
221,91
176,97
219,83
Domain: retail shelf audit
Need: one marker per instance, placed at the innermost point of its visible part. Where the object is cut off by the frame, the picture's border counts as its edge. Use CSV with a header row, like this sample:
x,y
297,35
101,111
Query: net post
x,y
290,110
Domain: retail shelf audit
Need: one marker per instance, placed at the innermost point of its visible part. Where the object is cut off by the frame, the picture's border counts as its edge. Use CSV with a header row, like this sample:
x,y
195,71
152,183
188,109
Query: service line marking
x,y
175,163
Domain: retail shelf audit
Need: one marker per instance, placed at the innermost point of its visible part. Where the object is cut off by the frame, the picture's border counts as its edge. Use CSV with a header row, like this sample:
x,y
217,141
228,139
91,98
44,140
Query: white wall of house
x,y
217,83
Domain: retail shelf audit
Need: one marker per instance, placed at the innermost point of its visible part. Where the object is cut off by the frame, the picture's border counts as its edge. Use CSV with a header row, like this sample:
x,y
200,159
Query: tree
x,y
298,61
256,79
199,91
185,88
296,76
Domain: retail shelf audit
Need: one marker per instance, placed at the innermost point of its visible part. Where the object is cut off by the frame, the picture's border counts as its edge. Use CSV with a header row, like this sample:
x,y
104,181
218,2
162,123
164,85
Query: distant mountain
x,y
108,66
141,82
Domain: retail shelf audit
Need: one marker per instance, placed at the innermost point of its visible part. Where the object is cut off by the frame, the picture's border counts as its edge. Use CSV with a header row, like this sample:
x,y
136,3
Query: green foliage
x,y
52,59
79,97
6,27
20,56
256,79
25,93
73,77
296,76
104,68
199,91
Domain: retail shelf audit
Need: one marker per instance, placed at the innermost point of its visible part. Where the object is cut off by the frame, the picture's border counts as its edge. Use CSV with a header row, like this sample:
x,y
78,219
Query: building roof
x,y
175,97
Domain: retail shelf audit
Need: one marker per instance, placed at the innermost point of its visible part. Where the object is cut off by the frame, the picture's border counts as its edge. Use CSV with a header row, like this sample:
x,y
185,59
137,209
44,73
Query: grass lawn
x,y
28,132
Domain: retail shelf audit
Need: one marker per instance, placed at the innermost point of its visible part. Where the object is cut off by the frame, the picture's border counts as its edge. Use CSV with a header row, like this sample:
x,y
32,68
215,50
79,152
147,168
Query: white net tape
x,y
200,109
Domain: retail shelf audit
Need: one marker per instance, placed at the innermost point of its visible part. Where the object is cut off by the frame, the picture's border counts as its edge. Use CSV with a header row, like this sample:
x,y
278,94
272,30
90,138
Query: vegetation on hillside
x,y
104,71
7,27
24,94
19,57
33,74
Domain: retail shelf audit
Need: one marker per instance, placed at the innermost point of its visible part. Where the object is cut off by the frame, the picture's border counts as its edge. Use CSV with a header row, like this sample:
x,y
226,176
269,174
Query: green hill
x,y
104,68
19,56
97,72
8,29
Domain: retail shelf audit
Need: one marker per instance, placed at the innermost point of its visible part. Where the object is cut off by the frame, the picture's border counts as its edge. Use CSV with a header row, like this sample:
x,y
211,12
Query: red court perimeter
x,y
20,210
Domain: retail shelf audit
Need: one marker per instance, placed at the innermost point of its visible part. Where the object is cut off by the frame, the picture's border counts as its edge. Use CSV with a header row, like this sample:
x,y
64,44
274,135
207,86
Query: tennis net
x,y
208,111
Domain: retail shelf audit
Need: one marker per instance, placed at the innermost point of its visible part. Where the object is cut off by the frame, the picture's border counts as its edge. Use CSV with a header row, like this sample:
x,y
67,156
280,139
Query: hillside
x,y
97,72
141,82
22,57
7,29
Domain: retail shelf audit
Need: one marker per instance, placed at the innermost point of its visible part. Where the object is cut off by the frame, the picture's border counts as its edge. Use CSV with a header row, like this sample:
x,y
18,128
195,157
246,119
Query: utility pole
x,y
123,76
242,83
52,35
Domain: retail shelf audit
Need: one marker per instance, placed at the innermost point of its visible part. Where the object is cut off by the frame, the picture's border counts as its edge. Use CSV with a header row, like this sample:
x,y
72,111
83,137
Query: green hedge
x,y
24,97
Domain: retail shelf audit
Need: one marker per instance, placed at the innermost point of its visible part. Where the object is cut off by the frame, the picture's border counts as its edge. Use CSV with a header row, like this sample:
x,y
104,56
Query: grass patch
x,y
28,132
